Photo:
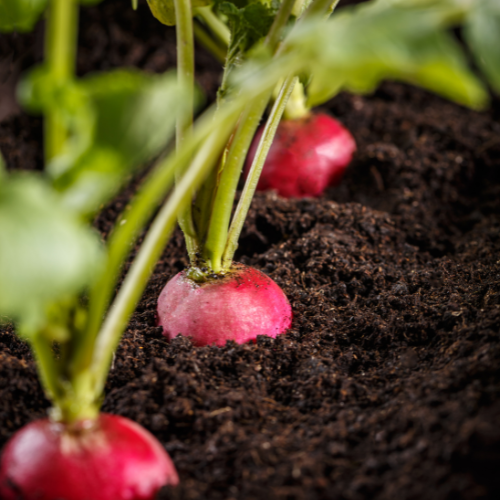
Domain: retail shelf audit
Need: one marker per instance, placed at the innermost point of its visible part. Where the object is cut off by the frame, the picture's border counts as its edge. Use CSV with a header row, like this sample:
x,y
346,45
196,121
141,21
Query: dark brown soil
x,y
388,384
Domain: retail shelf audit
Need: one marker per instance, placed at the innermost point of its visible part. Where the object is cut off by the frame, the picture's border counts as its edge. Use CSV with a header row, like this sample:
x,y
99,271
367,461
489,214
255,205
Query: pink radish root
x,y
239,306
308,155
114,459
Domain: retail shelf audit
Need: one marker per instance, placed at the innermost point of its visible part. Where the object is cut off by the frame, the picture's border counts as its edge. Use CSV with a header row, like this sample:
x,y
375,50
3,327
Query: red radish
x,y
113,459
307,155
236,306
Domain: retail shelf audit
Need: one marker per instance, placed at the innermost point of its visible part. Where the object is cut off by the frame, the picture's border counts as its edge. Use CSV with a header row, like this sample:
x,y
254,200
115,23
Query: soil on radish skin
x,y
388,384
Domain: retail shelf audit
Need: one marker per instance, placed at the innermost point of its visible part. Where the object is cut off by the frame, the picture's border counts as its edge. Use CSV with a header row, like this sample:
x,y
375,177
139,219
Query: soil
x,y
387,386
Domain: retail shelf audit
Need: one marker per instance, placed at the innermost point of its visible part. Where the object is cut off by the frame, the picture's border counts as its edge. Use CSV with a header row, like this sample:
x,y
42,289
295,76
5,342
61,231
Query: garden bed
x,y
388,384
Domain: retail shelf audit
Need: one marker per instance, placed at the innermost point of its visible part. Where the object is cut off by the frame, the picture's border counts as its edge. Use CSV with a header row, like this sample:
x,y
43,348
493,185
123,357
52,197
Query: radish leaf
x,y
20,15
381,42
46,254
135,112
247,24
482,32
118,121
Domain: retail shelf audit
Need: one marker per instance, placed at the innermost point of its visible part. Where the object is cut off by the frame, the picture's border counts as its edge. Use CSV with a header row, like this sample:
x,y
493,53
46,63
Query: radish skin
x,y
239,306
307,155
114,459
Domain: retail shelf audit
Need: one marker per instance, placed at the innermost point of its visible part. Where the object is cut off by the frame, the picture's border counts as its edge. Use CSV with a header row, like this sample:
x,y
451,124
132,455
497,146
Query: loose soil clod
x,y
388,384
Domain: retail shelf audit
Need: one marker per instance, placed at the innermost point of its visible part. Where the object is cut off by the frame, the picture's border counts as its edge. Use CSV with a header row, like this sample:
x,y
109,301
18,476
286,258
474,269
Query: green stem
x,y
208,43
255,171
223,202
228,67
151,249
202,207
320,7
185,64
185,219
185,74
47,368
332,7
80,402
296,106
61,35
73,399
120,243
274,35
216,26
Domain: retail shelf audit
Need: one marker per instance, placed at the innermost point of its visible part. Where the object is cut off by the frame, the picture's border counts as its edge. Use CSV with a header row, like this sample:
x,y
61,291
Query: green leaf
x,y
46,254
450,11
20,15
94,179
164,10
117,122
300,7
136,112
249,23
441,66
482,33
134,119
363,46
359,47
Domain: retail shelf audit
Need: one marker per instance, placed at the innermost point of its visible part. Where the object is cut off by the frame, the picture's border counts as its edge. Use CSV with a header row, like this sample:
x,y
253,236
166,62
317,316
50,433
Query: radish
x,y
239,305
217,300
110,459
308,155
